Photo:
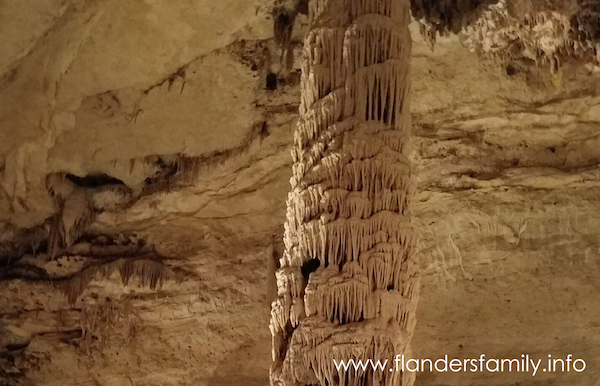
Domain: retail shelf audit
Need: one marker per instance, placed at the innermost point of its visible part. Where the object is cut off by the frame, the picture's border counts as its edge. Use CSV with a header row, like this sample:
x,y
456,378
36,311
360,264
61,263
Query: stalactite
x,y
149,273
348,208
98,321
547,33
74,214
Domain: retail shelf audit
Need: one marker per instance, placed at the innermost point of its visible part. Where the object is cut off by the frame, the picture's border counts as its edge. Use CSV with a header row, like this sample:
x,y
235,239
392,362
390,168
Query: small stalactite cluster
x,y
282,29
446,16
149,273
74,213
78,205
99,320
347,282
548,33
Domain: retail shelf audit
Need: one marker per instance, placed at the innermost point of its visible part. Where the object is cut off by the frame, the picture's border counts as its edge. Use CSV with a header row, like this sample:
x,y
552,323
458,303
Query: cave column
x,y
348,284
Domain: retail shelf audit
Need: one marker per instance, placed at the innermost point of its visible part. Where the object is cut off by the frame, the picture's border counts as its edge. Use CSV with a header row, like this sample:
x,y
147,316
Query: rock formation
x,y
347,284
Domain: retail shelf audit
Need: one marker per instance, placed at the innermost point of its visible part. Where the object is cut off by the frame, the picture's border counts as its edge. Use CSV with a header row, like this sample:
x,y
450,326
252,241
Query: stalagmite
x,y
348,209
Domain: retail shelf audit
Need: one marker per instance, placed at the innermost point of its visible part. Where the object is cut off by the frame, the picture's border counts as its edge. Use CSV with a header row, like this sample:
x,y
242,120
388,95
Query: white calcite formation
x,y
545,36
348,284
